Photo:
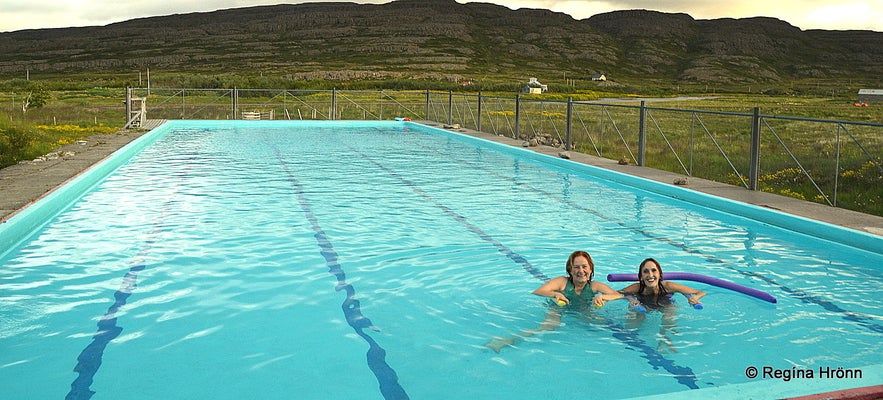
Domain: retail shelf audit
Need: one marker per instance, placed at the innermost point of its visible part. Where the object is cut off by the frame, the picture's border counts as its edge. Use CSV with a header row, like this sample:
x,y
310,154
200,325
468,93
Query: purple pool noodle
x,y
686,276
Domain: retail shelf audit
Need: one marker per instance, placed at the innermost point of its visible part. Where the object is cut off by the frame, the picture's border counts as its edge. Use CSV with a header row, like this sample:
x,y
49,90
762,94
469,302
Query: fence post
x,y
601,131
234,101
333,104
642,134
478,128
128,105
837,165
427,105
567,144
517,132
183,103
450,107
753,173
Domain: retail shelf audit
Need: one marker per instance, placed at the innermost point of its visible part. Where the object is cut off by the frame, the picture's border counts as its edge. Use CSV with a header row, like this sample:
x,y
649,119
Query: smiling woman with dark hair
x,y
652,293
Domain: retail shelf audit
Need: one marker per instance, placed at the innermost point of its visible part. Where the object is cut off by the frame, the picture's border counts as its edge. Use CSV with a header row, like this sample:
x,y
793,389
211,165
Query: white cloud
x,y
858,15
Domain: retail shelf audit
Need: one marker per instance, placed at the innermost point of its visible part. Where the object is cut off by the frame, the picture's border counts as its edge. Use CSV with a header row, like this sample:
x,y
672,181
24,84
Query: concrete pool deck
x,y
27,182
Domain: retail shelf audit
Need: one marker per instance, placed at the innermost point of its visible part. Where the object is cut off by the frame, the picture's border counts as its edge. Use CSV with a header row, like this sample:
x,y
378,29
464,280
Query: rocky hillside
x,y
443,39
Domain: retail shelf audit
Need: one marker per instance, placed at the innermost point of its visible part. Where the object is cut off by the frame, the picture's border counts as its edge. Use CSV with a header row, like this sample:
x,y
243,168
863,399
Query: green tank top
x,y
586,296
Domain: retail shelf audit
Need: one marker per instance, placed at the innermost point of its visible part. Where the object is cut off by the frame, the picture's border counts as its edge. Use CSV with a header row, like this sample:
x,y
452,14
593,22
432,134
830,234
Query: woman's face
x,y
580,269
650,274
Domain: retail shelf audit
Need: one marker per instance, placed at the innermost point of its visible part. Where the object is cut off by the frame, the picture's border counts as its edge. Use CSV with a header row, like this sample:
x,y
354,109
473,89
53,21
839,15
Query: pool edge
x,y
850,228
26,221
785,212
795,389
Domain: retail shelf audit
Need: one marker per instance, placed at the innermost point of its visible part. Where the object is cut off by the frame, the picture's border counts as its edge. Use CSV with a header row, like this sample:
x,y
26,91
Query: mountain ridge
x,y
446,40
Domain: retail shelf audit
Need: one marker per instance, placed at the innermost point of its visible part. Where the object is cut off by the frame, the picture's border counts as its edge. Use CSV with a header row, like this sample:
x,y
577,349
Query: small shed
x,y
870,96
257,115
535,87
599,77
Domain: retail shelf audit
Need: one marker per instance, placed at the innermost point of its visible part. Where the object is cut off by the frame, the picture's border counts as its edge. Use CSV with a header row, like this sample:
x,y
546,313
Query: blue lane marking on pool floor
x,y
89,359
511,254
859,319
376,355
684,375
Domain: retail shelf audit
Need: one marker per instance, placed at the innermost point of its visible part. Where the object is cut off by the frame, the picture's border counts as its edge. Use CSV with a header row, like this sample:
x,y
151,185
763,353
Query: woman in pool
x,y
571,289
653,293
576,290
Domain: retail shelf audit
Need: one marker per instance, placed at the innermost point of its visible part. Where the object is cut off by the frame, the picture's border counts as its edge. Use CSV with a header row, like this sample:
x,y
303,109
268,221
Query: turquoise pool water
x,y
229,260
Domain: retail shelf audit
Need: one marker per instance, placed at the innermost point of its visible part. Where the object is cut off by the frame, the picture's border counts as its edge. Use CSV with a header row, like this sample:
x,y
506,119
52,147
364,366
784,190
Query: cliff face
x,y
447,40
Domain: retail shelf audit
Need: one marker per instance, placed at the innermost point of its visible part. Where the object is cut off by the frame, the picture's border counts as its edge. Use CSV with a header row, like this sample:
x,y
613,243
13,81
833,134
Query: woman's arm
x,y
553,288
607,293
631,289
629,292
693,295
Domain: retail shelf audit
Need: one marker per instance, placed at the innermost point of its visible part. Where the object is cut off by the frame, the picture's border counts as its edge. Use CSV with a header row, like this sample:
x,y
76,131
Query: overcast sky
x,y
805,14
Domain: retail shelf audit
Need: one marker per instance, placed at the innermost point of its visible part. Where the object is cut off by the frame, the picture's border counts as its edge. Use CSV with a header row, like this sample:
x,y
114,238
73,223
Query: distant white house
x,y
870,95
535,87
599,77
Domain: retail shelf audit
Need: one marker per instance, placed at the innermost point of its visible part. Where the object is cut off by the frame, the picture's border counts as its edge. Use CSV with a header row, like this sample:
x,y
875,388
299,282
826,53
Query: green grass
x,y
22,141
818,161
16,139
69,116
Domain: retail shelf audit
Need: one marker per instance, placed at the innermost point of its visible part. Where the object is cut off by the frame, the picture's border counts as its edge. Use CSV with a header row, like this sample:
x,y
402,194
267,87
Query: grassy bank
x,y
20,140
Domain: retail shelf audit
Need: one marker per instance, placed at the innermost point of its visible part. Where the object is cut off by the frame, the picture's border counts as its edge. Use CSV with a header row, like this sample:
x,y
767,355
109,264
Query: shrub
x,y
15,139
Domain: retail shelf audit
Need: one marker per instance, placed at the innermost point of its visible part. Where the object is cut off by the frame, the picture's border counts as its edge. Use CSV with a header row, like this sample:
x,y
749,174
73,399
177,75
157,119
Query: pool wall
x,y
781,389
28,221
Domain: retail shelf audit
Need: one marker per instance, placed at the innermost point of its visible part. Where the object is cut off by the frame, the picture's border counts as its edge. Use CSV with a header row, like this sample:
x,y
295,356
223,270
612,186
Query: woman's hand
x,y
599,301
633,301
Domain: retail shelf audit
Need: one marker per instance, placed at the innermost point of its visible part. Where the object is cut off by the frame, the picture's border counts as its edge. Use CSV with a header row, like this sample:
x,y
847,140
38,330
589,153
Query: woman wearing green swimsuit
x,y
577,289
572,288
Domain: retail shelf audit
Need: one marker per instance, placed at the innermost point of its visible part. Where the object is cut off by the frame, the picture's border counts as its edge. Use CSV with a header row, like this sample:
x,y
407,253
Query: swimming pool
x,y
366,260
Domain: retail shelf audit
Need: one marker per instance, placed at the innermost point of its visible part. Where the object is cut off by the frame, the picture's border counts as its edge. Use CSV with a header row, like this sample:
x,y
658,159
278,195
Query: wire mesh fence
x,y
827,161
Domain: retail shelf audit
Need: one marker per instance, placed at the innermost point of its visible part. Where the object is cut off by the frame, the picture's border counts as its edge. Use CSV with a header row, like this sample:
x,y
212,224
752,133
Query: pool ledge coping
x,y
24,184
866,224
869,386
